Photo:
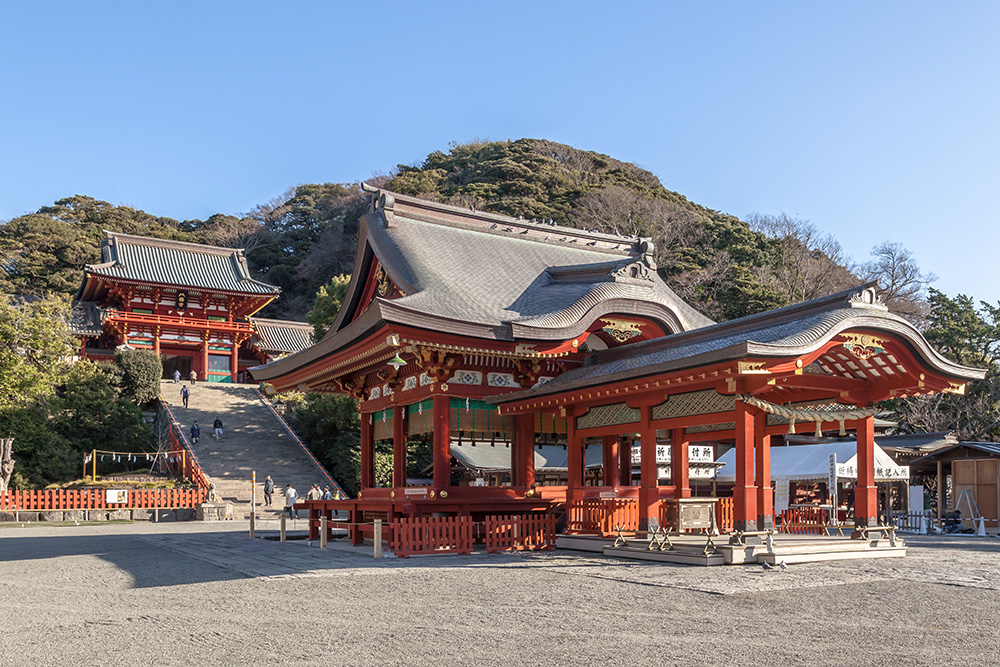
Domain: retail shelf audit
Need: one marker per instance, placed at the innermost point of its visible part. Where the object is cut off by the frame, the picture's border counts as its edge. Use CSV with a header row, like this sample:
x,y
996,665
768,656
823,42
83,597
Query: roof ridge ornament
x,y
641,268
380,199
867,298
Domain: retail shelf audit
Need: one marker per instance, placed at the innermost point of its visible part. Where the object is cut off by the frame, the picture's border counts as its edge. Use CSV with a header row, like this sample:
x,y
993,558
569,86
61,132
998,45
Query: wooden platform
x,y
689,549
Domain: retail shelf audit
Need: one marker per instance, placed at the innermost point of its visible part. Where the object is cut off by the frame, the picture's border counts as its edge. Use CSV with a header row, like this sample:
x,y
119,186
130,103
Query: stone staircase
x,y
253,440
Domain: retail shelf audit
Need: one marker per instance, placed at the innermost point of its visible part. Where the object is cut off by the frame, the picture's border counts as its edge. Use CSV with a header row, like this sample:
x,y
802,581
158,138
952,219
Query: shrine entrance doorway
x,y
180,362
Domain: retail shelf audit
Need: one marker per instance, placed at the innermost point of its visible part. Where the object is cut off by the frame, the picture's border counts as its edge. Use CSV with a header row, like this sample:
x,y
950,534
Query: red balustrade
x,y
804,521
432,535
531,532
602,515
79,499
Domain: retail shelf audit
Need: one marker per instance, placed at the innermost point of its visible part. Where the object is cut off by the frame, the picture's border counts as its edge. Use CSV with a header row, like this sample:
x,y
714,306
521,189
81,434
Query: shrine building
x,y
192,304
467,329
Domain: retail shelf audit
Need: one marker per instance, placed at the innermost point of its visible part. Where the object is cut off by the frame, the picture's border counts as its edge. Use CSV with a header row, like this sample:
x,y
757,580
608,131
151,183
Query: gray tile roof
x,y
85,319
789,331
138,258
280,335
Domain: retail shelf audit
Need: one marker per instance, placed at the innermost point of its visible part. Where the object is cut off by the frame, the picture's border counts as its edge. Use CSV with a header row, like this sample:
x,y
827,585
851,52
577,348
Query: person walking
x,y
193,376
326,493
195,432
185,394
177,376
268,490
314,493
290,496
217,425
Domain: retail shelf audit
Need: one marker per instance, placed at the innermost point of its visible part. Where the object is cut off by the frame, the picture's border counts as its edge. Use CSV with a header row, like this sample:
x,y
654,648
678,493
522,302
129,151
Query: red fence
x,y
602,515
79,499
426,535
804,521
724,515
520,533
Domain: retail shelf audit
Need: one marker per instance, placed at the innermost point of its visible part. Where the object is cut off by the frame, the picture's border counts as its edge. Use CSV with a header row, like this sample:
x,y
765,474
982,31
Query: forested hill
x,y
722,265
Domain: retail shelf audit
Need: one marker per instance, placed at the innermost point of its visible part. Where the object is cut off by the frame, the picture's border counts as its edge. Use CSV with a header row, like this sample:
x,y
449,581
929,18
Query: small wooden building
x,y
973,467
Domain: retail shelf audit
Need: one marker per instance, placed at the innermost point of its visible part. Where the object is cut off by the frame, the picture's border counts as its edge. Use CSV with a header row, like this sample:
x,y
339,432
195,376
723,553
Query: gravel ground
x,y
206,594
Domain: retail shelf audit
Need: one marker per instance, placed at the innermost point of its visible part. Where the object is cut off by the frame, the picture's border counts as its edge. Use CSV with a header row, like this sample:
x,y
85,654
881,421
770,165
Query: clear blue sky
x,y
874,120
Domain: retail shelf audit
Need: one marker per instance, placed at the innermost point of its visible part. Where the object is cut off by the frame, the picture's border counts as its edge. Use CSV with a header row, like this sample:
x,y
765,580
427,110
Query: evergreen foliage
x,y
141,372
329,299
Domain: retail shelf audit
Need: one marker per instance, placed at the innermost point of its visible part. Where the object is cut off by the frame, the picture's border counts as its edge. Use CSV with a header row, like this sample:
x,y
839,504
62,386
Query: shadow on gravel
x,y
148,565
960,542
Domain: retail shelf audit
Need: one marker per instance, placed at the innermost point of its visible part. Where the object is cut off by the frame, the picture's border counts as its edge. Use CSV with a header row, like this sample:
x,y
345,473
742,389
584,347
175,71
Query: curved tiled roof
x,y
85,319
143,259
786,332
281,336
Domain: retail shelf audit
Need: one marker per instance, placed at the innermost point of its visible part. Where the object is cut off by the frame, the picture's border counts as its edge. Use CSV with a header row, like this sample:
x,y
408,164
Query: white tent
x,y
803,463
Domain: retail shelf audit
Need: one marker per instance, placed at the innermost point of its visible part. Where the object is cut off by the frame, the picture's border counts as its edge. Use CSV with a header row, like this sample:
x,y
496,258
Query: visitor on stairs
x,y
177,376
290,495
268,490
193,376
185,394
218,428
326,493
195,432
314,493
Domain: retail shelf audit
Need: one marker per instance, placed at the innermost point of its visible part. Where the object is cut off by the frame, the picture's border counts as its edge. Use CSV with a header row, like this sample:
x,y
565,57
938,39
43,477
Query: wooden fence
x,y
804,521
427,535
724,515
520,533
602,515
79,499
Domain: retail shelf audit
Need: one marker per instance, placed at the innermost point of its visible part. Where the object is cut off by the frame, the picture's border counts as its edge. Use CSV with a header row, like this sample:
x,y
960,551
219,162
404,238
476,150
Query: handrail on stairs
x,y
340,493
177,438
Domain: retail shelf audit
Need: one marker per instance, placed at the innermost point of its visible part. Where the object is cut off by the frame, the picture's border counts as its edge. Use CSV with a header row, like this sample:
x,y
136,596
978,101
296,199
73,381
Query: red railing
x,y
602,515
427,535
724,515
520,533
804,521
79,499
182,460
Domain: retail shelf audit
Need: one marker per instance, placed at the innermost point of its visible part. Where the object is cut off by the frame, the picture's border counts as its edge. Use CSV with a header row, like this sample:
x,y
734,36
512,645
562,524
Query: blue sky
x,y
875,121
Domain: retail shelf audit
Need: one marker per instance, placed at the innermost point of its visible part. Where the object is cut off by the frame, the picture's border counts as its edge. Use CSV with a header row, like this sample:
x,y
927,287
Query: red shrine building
x,y
465,329
192,304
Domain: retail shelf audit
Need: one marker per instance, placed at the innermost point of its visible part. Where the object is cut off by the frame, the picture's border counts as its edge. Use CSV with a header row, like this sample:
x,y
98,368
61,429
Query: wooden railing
x,y
602,515
804,521
724,515
79,499
520,533
427,535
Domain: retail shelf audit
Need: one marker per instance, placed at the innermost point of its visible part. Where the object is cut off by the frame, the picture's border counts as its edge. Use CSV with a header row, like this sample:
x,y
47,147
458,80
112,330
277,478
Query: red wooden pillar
x,y
865,498
524,452
624,461
367,451
649,496
442,443
765,496
574,457
234,362
679,469
156,343
204,357
610,460
744,493
399,434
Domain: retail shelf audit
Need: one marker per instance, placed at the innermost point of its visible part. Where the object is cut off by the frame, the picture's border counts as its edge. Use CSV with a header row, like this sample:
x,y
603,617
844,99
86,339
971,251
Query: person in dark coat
x,y
195,432
268,490
185,394
218,428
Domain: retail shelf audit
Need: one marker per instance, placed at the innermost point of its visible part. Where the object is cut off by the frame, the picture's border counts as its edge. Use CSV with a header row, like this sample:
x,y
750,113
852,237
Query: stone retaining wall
x,y
183,514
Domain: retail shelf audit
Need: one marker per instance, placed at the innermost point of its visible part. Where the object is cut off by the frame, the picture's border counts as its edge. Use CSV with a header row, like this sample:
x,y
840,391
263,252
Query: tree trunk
x,y
6,462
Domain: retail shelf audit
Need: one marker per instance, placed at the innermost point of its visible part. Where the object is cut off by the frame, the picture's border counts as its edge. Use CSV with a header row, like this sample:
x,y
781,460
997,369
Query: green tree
x,y
329,299
141,373
35,345
970,336
330,427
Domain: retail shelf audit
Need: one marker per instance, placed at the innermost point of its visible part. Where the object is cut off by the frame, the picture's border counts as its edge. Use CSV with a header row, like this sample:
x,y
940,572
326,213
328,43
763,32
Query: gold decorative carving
x,y
383,281
955,388
863,346
443,494
751,368
621,330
